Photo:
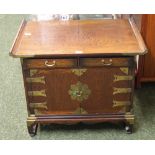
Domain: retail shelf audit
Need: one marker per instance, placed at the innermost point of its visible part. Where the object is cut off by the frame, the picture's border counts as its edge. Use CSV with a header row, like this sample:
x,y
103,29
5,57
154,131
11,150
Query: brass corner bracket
x,y
31,120
129,117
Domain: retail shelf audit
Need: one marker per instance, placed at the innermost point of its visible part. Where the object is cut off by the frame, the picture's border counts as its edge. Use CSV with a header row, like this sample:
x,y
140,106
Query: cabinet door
x,y
108,86
48,89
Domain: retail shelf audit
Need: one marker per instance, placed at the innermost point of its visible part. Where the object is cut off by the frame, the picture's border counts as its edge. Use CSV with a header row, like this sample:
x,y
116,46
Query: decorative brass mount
x,y
31,120
33,72
129,117
79,72
79,91
125,70
80,111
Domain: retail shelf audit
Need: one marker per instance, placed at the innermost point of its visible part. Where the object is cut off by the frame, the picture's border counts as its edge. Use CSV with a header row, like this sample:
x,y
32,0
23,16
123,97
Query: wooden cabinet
x,y
88,79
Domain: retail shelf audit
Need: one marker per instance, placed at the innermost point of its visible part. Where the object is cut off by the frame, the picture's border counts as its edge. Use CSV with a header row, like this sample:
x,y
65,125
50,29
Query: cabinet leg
x,y
32,127
129,128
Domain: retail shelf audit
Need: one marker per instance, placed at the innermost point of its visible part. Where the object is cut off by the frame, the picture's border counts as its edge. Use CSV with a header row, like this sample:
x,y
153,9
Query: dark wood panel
x,y
148,32
146,72
52,90
107,95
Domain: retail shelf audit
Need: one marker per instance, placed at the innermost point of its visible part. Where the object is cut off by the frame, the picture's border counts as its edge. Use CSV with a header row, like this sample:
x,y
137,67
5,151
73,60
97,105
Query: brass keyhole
x,y
79,93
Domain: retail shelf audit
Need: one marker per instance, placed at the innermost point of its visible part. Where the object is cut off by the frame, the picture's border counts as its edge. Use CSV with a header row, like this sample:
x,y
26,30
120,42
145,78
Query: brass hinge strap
x,y
121,90
37,93
121,103
122,78
36,80
42,105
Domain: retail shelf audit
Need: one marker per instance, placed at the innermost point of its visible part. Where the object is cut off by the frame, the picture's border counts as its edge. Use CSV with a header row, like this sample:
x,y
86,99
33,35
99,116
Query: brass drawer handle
x,y
50,65
106,64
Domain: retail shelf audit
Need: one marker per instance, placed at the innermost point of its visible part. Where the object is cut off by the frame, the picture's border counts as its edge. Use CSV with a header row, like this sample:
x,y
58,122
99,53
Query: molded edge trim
x,y
138,36
20,29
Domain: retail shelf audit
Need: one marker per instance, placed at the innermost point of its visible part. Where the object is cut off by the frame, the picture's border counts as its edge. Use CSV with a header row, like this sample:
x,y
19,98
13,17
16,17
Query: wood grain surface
x,y
77,37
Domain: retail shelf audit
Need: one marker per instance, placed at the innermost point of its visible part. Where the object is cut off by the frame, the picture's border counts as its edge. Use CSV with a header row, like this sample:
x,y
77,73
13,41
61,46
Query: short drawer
x,y
99,62
50,63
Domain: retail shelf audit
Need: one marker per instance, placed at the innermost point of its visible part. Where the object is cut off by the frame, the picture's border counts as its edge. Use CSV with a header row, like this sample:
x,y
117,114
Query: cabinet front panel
x,y
80,90
110,87
48,91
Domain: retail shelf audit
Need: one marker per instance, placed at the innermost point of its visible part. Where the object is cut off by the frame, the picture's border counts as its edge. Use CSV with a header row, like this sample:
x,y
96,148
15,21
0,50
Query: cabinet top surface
x,y
78,37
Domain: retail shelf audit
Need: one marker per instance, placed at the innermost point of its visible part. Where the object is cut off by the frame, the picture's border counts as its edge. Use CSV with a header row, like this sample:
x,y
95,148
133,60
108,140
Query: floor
x,y
13,112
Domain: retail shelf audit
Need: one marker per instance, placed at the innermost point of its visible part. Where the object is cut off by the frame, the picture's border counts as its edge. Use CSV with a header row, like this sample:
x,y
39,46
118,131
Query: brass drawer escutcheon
x,y
120,103
79,72
121,90
37,93
79,91
122,78
42,105
36,80
125,70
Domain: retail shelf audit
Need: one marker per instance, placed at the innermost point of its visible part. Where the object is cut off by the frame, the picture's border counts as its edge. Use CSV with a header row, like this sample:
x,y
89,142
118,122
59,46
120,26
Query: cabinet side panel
x,y
149,37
